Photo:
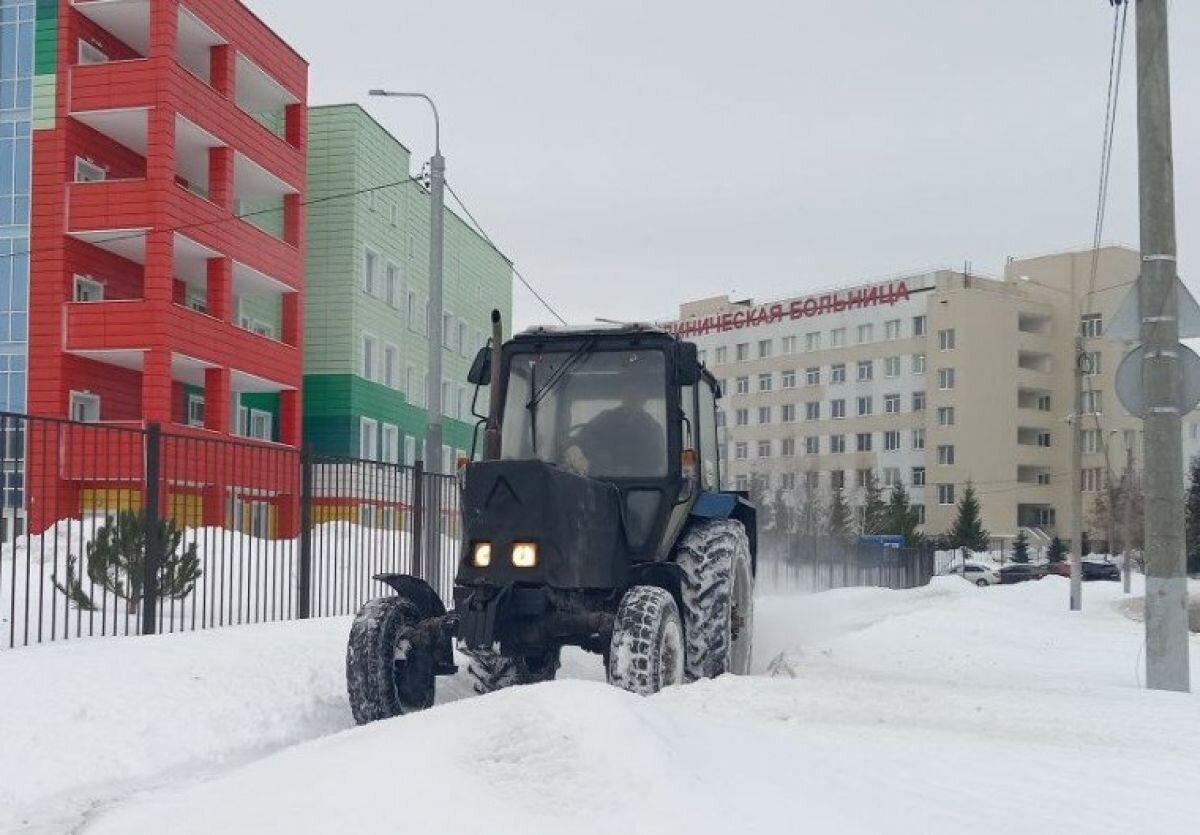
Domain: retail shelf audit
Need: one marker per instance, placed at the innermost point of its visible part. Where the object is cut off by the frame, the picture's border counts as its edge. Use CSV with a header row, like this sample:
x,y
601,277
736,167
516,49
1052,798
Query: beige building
x,y
932,380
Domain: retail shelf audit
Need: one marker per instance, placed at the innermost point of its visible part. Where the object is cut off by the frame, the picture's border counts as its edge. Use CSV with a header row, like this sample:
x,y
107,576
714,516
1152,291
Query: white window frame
x,y
946,339
85,284
391,285
87,171
410,450
389,442
88,54
260,424
194,400
90,404
368,439
370,269
368,371
391,366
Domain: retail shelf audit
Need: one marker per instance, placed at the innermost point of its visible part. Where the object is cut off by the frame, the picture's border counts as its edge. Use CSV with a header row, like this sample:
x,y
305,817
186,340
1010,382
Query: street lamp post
x,y
437,183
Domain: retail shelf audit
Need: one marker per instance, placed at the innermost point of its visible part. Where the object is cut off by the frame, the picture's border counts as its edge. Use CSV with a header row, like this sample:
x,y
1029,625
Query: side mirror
x,y
481,369
687,364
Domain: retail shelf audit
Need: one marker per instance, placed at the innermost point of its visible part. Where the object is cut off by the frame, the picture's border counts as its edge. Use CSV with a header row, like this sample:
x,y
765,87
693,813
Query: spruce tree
x,y
875,513
115,559
1057,552
1193,518
968,529
902,517
839,514
1021,547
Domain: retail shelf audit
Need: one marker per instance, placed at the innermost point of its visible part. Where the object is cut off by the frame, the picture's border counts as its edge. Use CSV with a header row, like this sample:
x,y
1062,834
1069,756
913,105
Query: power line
x,y
516,272
218,221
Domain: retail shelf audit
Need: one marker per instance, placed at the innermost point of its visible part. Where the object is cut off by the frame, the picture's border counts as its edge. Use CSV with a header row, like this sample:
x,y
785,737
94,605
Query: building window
x,y
741,450
865,406
788,413
891,476
787,481
789,379
1046,516
741,417
743,351
862,442
88,172
788,447
866,333
920,512
391,366
765,382
764,449
89,53
891,440
1091,326
195,410
945,415
945,454
866,370
1091,363
370,272
370,363
390,443
862,478
1093,403
722,355
946,339
1091,440
945,494
812,445
410,450
764,349
1043,403
918,476
720,418
891,404
918,401
837,444
891,329
812,377
812,410
1043,439
788,344
369,439
837,409
261,425
837,337
891,367
764,414
413,307
918,362
945,378
743,385
812,341
918,324
918,439
837,479
1091,480
85,407
837,374
87,289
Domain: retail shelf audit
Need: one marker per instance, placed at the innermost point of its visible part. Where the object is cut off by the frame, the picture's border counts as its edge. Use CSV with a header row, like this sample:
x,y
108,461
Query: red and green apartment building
x,y
158,151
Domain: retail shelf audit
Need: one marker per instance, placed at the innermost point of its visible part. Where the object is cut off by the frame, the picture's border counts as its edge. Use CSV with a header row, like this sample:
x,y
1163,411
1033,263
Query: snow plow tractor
x,y
594,519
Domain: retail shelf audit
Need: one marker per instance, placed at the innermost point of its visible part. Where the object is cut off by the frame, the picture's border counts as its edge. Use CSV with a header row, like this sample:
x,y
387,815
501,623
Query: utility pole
x,y
1077,465
1126,513
1166,578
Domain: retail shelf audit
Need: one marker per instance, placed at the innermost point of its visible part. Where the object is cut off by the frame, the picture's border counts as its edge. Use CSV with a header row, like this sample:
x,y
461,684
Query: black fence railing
x,y
800,562
111,529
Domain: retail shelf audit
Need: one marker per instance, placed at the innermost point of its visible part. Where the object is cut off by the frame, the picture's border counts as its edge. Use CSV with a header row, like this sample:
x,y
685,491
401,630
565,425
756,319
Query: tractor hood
x,y
574,522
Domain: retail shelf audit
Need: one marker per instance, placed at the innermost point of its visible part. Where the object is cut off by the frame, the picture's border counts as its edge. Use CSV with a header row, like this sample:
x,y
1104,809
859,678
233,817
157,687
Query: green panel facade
x,y
367,292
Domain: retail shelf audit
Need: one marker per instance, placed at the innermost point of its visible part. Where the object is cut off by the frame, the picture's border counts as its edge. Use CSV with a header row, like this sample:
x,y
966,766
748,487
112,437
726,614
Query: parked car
x,y
1062,568
1019,572
1096,570
977,573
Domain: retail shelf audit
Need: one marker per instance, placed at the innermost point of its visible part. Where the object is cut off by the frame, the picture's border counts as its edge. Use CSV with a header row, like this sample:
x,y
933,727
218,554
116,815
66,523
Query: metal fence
x,y
800,562
111,529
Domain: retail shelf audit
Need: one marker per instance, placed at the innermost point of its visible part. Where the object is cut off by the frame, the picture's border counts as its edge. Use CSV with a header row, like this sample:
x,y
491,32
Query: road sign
x,y
1132,393
1126,324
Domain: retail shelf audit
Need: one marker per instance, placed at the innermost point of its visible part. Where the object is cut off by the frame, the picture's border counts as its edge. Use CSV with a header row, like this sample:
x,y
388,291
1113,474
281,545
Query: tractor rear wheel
x,y
718,598
387,674
646,651
490,671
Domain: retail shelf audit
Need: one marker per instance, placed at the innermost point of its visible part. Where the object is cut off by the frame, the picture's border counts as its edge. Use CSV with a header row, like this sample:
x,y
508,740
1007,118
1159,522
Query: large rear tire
x,y
386,673
646,652
490,671
718,598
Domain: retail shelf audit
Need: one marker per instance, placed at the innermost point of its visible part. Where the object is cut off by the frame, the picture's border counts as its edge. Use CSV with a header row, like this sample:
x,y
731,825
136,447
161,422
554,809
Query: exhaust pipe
x,y
491,437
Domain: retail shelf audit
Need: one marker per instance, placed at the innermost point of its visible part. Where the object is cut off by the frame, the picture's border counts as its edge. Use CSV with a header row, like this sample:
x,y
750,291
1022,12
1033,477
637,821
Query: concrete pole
x,y
1126,532
1166,580
433,411
1077,467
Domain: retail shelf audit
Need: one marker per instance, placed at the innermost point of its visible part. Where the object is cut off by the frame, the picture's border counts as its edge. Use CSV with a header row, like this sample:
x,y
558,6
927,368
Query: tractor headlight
x,y
524,554
481,554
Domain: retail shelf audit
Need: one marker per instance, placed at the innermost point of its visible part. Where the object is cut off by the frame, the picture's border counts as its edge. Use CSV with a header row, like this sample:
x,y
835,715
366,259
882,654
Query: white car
x,y
977,573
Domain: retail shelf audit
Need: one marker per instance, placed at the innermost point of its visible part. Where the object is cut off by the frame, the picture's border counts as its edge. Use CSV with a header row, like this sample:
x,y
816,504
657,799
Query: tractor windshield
x,y
599,413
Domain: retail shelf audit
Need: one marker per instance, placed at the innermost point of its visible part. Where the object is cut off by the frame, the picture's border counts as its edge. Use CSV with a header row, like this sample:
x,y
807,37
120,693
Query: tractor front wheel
x,y
387,672
646,652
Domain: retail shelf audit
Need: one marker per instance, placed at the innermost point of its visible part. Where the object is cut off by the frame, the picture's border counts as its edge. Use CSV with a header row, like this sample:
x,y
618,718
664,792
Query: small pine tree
x,y
968,529
115,559
1057,551
1021,547
875,512
1193,518
839,514
902,517
1085,543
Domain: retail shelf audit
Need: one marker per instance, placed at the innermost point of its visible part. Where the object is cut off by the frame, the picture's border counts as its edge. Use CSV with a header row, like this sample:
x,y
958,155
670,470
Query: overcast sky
x,y
631,155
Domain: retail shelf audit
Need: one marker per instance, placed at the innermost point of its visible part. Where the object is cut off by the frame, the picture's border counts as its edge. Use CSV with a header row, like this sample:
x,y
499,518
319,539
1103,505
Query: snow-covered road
x,y
945,709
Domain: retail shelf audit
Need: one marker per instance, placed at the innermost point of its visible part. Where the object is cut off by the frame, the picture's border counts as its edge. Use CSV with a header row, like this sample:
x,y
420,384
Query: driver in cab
x,y
625,441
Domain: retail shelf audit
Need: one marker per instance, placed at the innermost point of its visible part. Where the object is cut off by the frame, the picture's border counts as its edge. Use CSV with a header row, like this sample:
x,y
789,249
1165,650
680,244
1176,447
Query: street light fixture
x,y
437,181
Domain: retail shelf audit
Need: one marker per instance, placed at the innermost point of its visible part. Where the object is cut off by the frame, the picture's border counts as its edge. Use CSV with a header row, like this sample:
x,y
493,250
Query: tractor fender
x,y
667,576
723,505
416,590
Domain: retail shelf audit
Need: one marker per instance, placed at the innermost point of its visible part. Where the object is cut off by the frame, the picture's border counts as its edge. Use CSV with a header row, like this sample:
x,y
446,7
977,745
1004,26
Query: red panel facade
x,y
152,238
